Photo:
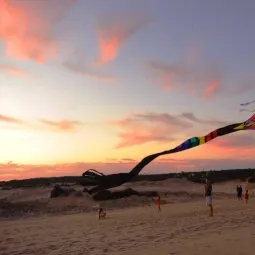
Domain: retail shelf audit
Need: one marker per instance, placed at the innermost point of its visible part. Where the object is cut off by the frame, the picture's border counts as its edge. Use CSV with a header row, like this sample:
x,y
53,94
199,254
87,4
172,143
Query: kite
x,y
104,182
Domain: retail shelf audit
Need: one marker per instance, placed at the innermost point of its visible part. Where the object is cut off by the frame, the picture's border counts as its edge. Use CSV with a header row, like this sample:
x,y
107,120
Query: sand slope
x,y
69,225
181,228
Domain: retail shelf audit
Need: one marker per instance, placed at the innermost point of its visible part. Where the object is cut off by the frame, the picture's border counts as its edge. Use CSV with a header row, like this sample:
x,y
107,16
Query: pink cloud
x,y
211,122
64,125
192,79
44,124
26,32
138,129
113,33
243,141
212,88
9,119
12,70
166,75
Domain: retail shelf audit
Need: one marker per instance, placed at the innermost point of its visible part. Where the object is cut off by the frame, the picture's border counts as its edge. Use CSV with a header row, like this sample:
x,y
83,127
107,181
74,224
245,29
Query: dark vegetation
x,y
59,191
109,195
213,175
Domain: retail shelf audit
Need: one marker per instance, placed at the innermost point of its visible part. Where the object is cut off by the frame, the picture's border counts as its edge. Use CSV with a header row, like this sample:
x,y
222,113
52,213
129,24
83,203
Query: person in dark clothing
x,y
208,195
246,196
101,214
239,191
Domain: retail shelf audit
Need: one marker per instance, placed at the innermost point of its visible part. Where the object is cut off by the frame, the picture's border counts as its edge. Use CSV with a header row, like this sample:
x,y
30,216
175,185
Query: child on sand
x,y
158,203
101,214
246,196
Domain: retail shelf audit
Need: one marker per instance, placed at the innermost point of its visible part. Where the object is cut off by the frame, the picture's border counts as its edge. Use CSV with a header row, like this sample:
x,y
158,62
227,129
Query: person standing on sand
x,y
158,203
101,214
240,192
246,196
208,195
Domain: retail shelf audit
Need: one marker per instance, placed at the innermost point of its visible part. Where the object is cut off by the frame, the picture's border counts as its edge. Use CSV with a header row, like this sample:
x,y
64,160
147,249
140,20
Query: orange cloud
x,y
166,75
212,88
138,129
64,125
236,141
25,31
113,33
9,171
12,70
8,119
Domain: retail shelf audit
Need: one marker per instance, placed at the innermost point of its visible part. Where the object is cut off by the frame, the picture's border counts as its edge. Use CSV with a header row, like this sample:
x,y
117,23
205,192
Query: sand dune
x,y
133,225
183,228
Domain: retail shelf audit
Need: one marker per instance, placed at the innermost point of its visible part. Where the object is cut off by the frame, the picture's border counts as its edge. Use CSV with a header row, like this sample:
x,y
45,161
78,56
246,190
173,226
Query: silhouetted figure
x,y
101,214
246,196
239,191
208,195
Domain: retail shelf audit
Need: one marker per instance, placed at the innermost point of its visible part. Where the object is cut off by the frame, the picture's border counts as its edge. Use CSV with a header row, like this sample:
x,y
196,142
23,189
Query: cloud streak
x,y
138,129
237,141
9,119
12,70
203,82
79,68
42,124
12,170
64,125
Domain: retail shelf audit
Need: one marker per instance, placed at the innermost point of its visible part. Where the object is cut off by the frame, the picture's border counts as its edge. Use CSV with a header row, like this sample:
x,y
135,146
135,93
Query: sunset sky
x,y
101,84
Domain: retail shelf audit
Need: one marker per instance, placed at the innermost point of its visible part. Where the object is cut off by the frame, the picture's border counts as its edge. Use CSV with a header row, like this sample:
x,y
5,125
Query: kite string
x,y
247,103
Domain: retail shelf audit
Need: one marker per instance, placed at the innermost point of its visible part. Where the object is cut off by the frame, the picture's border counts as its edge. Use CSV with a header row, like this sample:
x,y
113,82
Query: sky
x,y
102,84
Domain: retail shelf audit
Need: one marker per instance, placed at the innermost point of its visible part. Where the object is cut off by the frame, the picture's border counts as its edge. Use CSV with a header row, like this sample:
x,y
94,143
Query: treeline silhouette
x,y
213,175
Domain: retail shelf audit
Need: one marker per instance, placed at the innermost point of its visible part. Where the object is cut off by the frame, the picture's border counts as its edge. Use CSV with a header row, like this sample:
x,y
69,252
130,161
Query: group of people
x,y
208,197
239,193
208,194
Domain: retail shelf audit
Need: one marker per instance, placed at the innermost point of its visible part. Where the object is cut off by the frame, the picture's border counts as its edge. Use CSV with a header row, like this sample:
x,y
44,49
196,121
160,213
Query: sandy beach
x,y
183,227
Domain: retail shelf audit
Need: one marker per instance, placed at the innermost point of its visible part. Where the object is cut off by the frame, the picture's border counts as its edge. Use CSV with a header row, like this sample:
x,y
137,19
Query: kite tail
x,y
138,168
188,144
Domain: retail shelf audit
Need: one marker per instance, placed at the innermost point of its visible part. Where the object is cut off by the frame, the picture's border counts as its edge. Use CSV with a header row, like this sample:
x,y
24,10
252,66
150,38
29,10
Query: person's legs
x,y
209,203
211,210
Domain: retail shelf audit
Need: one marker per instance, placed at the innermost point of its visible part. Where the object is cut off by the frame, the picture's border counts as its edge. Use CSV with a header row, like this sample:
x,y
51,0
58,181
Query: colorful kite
x,y
109,181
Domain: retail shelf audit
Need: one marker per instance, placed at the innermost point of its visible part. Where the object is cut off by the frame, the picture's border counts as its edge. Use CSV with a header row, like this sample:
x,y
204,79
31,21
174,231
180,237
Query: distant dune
x,y
25,202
